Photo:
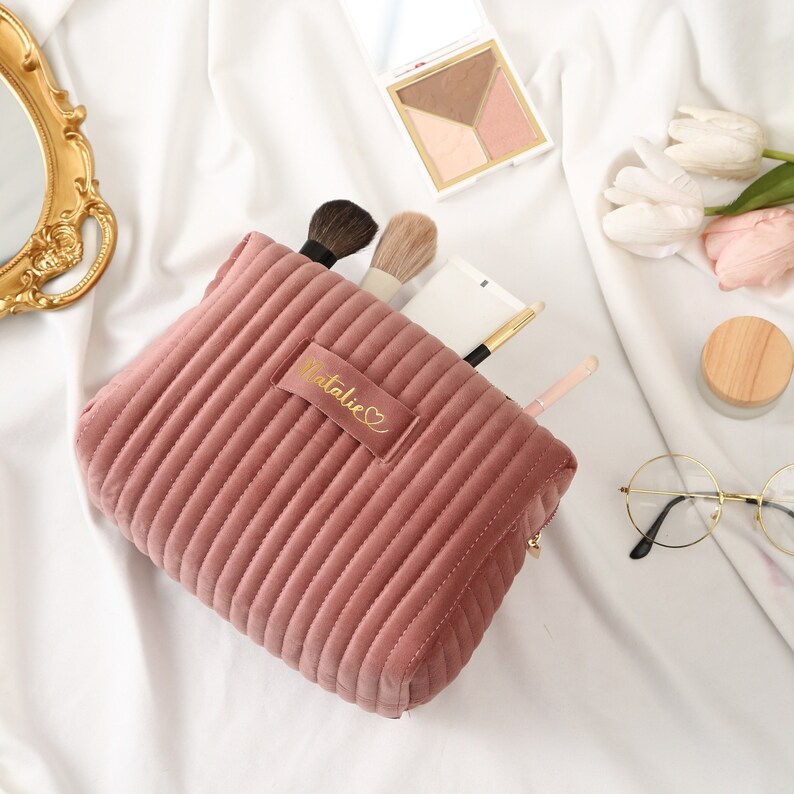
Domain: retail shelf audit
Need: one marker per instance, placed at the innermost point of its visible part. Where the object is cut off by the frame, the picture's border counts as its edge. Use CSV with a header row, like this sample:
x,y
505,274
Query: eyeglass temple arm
x,y
643,548
646,541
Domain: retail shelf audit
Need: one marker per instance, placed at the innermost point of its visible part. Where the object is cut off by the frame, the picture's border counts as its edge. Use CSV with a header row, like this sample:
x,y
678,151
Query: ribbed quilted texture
x,y
375,579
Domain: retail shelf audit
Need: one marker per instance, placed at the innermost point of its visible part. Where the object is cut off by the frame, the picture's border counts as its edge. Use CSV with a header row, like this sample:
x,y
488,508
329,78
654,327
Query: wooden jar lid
x,y
747,362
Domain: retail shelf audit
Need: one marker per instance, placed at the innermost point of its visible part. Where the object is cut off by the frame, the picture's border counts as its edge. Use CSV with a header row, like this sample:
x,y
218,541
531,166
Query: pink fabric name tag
x,y
350,399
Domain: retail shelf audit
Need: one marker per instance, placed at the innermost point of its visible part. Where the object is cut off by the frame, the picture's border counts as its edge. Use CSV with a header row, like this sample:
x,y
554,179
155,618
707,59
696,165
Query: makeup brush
x,y
337,229
562,386
406,247
507,331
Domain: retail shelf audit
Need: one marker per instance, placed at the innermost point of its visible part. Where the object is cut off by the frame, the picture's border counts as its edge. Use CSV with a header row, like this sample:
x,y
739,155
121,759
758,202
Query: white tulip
x,y
717,143
661,205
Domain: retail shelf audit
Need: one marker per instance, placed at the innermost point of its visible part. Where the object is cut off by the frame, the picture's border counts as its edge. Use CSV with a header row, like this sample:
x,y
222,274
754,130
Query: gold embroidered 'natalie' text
x,y
312,371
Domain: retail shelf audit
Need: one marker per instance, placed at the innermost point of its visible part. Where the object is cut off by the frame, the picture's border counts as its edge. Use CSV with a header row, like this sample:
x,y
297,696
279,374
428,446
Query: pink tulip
x,y
751,249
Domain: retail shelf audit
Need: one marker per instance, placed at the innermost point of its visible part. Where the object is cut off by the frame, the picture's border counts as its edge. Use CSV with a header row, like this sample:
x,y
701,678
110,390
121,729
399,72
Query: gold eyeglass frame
x,y
719,495
71,192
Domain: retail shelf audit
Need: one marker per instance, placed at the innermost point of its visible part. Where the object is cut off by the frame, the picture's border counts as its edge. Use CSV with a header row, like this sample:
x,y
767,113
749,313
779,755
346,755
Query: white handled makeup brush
x,y
406,247
562,386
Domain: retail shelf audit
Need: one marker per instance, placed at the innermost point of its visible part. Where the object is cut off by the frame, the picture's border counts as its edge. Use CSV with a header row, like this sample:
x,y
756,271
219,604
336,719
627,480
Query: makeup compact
x,y
450,87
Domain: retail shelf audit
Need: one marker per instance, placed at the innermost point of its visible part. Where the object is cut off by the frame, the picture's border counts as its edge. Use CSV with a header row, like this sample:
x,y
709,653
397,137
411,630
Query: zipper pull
x,y
533,544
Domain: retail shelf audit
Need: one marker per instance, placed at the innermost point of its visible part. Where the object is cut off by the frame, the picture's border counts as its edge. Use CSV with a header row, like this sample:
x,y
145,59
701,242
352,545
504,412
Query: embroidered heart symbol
x,y
378,419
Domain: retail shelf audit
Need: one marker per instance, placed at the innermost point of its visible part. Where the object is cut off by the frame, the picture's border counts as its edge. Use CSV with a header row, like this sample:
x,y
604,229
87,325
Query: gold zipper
x,y
533,544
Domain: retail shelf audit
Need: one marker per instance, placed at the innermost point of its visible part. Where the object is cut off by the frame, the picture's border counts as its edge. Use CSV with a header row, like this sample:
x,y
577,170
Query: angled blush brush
x,y
337,229
406,247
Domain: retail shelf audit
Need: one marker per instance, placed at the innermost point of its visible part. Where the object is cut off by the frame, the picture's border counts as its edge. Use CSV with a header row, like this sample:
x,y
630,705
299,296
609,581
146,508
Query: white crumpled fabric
x,y
599,673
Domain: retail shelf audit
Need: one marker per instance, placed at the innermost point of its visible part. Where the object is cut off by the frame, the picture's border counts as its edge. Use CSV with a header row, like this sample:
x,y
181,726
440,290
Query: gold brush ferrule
x,y
510,329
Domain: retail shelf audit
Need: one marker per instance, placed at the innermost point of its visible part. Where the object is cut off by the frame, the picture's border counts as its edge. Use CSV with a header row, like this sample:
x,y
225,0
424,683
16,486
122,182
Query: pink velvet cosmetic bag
x,y
325,475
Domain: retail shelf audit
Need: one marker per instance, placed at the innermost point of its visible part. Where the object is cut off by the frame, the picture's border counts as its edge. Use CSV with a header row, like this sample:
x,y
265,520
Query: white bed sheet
x,y
599,673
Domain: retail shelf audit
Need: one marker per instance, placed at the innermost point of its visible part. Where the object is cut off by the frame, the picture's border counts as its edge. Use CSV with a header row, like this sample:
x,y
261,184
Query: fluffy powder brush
x,y
337,229
406,247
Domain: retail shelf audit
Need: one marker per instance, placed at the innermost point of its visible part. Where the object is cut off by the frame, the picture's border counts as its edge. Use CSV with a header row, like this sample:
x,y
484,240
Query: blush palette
x,y
466,115
449,85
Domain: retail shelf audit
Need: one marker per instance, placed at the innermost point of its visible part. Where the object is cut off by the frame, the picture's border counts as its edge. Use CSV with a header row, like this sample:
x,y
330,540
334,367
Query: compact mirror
x,y
47,185
22,175
400,32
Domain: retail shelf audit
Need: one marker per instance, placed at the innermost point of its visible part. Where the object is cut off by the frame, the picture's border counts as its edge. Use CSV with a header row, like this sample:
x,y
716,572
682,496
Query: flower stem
x,y
775,155
713,210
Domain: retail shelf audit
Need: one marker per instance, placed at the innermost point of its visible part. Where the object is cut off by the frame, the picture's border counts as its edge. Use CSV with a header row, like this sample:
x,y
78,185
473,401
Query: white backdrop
x,y
599,673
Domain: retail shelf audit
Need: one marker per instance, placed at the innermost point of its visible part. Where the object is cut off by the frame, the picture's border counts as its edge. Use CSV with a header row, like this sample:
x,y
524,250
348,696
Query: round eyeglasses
x,y
674,501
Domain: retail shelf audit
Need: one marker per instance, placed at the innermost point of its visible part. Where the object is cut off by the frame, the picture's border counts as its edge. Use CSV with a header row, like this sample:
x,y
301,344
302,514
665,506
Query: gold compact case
x,y
450,86
47,173
467,115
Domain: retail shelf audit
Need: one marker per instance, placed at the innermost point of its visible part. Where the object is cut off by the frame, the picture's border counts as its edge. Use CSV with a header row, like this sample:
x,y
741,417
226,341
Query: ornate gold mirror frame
x,y
71,193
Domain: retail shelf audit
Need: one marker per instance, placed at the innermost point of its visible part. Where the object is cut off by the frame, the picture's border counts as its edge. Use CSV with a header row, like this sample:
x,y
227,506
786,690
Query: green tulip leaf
x,y
782,202
771,190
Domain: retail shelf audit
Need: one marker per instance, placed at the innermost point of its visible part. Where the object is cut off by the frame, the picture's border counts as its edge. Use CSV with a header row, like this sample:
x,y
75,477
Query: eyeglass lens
x,y
777,509
674,501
